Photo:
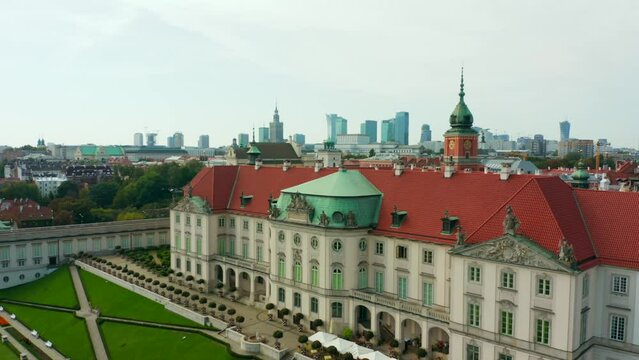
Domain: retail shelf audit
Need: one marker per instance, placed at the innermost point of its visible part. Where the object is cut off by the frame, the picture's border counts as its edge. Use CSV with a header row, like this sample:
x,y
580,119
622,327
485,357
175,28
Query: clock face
x,y
451,144
468,144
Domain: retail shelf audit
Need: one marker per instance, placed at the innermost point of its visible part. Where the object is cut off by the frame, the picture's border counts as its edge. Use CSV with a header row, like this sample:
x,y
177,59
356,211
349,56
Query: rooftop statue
x,y
511,223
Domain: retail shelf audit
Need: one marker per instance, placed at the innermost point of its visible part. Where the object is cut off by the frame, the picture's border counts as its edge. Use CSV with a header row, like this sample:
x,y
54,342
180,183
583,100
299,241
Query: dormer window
x,y
398,217
449,223
245,199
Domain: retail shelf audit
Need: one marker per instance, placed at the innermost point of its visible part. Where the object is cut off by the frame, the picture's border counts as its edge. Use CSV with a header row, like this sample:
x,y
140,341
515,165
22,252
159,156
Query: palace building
x,y
471,265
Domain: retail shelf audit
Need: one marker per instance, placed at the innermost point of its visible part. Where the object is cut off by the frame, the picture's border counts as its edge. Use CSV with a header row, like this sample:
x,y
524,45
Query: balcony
x,y
247,264
405,305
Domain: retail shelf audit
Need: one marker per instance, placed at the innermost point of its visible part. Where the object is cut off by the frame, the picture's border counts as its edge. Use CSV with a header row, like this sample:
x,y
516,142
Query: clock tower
x,y
461,140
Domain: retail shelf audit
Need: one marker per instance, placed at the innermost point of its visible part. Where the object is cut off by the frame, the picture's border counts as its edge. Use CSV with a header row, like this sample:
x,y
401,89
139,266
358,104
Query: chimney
x,y
539,172
399,168
504,173
286,164
485,169
412,166
449,170
258,163
318,165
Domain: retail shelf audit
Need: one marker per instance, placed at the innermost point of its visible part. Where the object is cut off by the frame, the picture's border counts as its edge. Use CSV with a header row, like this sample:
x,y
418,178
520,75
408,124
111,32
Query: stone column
x,y
252,293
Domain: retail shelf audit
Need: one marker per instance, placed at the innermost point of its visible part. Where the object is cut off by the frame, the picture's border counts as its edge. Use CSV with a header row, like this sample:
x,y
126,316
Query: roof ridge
x,y
500,207
586,226
237,175
545,199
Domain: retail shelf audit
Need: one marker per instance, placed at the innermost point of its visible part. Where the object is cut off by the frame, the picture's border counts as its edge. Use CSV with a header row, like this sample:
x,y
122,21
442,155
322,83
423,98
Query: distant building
x,y
151,139
538,147
170,142
262,134
269,153
98,153
151,153
178,140
401,127
353,139
369,128
276,128
49,185
426,134
564,130
524,143
138,139
243,139
335,125
388,131
203,142
299,139
586,148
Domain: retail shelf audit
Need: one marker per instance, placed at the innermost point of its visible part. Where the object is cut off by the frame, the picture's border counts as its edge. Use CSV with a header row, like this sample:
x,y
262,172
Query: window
x,y
178,241
472,352
258,227
221,222
402,252
187,240
260,253
221,246
198,222
379,282
362,245
21,262
66,248
178,263
232,223
297,300
402,287
4,256
111,242
474,313
362,280
619,284
583,327
508,280
314,305
280,236
474,274
337,245
507,322
428,294
231,247
379,248
314,242
543,287
281,295
198,269
504,357
245,224
198,244
177,218
543,332
37,260
336,309
188,265
297,271
337,281
585,286
617,327
21,255
281,269
428,257
97,244
297,239
314,275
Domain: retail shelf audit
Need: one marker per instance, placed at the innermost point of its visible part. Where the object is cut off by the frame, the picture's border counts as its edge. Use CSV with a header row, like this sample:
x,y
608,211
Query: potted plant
x,y
201,282
212,307
278,335
303,339
284,313
220,288
239,320
422,353
269,307
189,279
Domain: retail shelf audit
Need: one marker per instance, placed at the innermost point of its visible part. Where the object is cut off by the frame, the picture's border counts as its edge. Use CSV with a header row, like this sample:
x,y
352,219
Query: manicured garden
x,y
6,352
125,341
115,301
53,289
67,333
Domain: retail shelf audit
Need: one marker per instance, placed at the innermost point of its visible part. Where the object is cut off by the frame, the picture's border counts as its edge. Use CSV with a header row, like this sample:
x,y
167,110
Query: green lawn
x,y
68,334
116,301
125,341
53,289
6,353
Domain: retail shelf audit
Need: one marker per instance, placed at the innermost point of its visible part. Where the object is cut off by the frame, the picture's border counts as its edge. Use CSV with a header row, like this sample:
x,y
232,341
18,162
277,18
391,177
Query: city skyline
x,y
195,66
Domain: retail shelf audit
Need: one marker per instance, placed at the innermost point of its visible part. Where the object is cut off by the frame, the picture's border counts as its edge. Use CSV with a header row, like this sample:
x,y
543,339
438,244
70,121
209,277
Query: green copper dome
x,y
254,149
580,174
461,119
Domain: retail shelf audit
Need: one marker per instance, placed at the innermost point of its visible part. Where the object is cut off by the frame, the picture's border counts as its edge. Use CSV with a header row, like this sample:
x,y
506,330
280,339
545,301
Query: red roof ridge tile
x,y
586,227
237,175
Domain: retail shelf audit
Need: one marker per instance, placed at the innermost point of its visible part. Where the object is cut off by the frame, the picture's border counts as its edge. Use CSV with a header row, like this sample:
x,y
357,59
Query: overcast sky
x,y
95,71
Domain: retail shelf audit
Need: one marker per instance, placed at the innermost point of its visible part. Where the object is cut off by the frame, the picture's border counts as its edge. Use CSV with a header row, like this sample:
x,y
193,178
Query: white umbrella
x,y
357,351
340,344
376,356
322,337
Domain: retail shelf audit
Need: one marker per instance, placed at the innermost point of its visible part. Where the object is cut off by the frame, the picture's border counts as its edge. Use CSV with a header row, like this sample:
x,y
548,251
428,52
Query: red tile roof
x,y
23,210
547,207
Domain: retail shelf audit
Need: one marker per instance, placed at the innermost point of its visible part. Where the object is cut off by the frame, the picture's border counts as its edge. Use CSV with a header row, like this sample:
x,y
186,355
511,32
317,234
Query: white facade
x,y
49,185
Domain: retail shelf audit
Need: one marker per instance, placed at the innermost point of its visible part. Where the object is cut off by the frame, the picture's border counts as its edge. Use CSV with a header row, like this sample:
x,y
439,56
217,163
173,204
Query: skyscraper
x,y
299,139
336,125
243,139
178,140
426,133
538,146
276,128
203,142
401,128
262,134
138,139
388,131
170,141
151,139
369,128
564,130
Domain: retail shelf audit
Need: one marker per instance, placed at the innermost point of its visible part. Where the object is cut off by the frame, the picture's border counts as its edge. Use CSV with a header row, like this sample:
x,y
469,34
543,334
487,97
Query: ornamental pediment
x,y
513,249
194,205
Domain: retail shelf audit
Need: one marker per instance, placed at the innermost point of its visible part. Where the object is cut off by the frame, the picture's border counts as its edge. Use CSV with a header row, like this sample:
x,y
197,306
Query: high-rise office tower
x,y
388,131
276,128
538,146
151,139
170,141
369,128
262,134
203,142
401,128
335,125
243,139
138,139
564,130
178,140
427,134
299,139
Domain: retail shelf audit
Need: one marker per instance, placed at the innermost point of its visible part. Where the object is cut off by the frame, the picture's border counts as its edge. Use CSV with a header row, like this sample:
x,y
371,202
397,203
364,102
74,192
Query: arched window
x,y
297,272
314,305
280,236
314,242
337,245
314,275
281,269
362,282
297,239
337,282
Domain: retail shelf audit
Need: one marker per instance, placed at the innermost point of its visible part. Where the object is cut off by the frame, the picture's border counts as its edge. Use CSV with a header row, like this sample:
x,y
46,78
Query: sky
x,y
93,71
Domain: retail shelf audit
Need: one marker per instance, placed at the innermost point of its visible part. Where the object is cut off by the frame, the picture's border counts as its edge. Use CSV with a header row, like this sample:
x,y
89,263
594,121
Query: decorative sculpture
x,y
323,219
566,251
511,223
461,237
351,221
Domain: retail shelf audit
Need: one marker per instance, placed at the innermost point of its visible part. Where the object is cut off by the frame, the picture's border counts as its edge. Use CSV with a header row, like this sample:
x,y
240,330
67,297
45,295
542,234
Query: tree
x,y
21,190
347,333
302,339
103,193
394,343
422,353
332,350
371,153
68,189
316,345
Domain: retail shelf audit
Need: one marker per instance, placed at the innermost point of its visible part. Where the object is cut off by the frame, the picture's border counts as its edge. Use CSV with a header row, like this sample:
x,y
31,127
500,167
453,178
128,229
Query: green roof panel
x,y
342,183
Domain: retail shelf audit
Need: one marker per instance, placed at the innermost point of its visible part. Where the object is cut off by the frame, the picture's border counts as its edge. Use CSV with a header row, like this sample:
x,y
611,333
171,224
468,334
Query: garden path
x,y
39,342
17,344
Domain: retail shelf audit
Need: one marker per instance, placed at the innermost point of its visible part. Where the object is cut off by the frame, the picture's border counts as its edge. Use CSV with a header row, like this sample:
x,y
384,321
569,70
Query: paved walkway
x,y
17,344
39,342
87,313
